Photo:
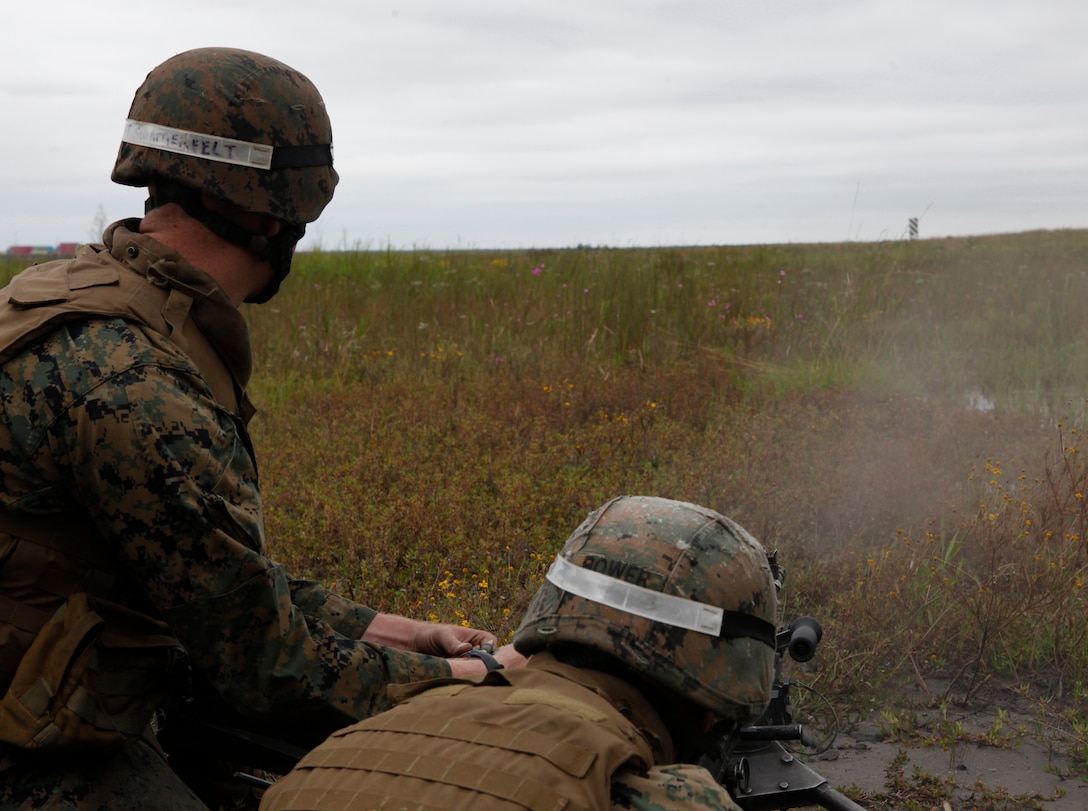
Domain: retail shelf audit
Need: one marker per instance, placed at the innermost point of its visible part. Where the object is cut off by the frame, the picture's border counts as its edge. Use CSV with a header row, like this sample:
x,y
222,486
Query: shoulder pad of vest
x,y
53,285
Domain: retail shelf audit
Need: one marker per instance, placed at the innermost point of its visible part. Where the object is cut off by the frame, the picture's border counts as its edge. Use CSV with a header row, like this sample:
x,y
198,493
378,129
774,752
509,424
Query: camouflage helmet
x,y
238,125
677,592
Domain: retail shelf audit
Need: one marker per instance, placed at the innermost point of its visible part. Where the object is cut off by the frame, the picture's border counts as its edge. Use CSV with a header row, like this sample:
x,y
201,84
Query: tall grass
x,y
902,420
896,418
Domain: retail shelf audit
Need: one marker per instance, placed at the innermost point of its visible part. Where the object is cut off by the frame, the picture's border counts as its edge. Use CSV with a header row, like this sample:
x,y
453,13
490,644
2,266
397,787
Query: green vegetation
x,y
902,420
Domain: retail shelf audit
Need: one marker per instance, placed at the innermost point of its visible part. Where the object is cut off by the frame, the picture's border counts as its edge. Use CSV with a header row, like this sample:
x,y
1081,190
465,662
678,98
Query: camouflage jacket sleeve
x,y
680,787
347,618
119,422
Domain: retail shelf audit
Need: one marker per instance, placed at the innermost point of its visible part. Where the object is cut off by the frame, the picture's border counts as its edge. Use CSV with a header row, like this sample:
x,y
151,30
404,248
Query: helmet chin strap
x,y
279,250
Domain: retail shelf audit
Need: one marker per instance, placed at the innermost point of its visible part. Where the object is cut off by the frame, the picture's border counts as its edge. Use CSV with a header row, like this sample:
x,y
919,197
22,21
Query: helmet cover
x,y
678,592
238,125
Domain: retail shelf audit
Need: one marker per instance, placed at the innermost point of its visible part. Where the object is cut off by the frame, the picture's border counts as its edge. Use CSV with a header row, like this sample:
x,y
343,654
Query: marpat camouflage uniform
x,y
681,787
108,427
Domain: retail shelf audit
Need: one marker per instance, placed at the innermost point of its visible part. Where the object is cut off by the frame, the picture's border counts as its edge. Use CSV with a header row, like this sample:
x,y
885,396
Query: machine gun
x,y
759,764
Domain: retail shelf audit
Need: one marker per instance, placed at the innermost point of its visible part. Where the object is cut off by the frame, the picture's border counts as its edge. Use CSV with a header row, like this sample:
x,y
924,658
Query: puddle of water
x,y
1070,405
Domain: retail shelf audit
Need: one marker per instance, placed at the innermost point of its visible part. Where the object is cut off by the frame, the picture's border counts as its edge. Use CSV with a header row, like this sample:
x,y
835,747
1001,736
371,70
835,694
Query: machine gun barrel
x,y
772,732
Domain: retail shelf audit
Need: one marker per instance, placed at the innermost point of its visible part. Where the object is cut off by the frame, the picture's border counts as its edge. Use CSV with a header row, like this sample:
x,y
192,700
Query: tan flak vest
x,y
79,671
544,738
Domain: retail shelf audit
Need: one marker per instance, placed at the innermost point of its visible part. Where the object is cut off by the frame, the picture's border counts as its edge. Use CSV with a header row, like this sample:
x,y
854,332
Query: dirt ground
x,y
1031,761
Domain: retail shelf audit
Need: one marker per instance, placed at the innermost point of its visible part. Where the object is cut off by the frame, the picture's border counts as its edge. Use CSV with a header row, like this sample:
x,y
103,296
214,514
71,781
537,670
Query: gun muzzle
x,y
805,635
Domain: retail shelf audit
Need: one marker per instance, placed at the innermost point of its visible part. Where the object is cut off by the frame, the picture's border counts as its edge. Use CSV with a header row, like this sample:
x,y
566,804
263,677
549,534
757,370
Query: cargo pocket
x,y
91,680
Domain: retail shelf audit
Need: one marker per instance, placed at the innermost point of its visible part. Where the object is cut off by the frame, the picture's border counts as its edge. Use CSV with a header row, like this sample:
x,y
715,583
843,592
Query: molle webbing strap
x,y
572,758
332,798
471,776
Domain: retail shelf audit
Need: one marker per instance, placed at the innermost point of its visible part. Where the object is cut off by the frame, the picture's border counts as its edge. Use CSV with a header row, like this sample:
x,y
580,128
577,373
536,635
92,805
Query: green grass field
x,y
901,420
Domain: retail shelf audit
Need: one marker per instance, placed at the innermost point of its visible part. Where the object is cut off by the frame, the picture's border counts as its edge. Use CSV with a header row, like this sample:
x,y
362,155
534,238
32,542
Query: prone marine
x,y
656,624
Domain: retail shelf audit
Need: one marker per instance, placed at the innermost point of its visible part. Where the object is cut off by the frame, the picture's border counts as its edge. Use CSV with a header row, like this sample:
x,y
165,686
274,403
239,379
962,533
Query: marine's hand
x,y
505,656
451,640
425,637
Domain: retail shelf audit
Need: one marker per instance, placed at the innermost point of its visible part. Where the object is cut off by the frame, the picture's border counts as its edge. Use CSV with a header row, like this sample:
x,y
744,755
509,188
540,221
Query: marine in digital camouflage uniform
x,y
657,620
133,565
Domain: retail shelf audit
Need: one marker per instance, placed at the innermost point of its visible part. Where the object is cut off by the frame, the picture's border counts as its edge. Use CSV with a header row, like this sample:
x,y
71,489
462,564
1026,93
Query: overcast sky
x,y
481,124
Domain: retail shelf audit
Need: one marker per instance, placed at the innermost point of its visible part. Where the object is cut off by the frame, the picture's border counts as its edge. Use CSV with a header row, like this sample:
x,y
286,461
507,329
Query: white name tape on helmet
x,y
198,144
642,602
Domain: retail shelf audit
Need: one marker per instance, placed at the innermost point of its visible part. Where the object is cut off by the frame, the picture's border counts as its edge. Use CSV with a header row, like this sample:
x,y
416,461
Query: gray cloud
x,y
626,122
